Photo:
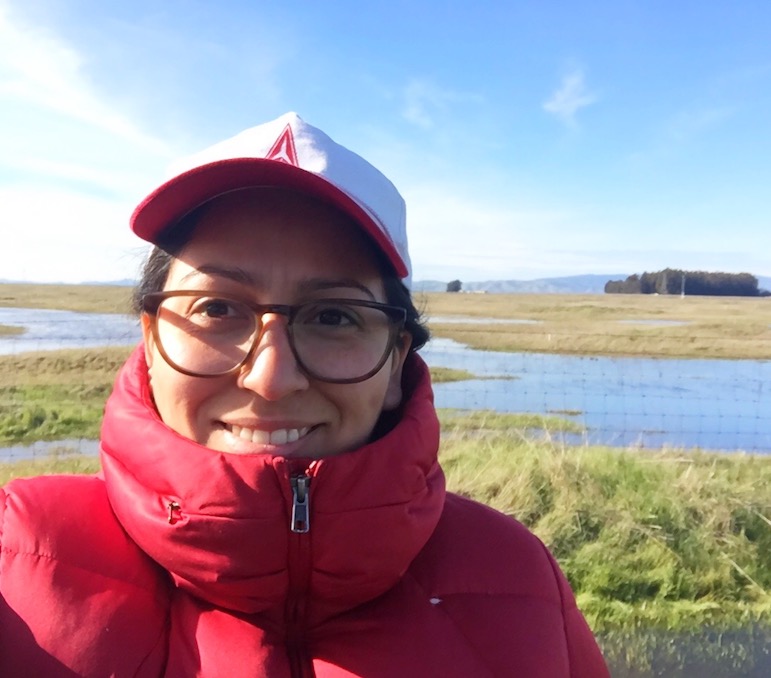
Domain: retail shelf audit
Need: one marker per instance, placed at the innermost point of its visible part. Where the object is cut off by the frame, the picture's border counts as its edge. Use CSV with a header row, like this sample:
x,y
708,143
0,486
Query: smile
x,y
280,436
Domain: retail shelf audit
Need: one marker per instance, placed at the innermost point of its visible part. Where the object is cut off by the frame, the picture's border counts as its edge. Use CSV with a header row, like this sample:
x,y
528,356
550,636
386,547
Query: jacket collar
x,y
219,523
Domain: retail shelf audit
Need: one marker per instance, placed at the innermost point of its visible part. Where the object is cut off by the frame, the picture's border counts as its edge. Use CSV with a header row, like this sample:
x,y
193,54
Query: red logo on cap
x,y
283,150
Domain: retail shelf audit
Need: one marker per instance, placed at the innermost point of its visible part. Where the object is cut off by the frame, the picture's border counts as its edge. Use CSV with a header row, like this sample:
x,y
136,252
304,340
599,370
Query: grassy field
x,y
85,298
612,324
55,395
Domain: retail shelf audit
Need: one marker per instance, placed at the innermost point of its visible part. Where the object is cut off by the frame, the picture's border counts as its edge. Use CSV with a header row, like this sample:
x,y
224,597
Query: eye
x,y
330,315
215,308
207,311
333,316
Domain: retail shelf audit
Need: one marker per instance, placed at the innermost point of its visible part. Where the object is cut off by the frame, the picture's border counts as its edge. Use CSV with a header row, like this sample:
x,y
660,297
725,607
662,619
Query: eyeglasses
x,y
205,334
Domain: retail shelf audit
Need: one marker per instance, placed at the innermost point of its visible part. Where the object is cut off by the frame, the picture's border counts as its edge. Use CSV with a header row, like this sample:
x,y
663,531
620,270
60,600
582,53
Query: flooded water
x,y
48,330
467,320
712,404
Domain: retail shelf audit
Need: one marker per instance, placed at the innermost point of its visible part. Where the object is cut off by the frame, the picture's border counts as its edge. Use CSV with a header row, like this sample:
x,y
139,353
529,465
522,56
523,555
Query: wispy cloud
x,y
691,123
72,162
570,97
40,70
680,131
423,101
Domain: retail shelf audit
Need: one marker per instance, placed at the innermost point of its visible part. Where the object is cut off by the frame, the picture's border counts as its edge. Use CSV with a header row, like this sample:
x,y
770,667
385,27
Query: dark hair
x,y
173,240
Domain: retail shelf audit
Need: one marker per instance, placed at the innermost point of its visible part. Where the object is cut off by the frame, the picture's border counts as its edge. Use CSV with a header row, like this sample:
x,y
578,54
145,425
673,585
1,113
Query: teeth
x,y
278,437
256,436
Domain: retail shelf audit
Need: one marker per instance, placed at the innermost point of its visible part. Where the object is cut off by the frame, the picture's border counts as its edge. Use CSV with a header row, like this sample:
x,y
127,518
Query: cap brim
x,y
171,201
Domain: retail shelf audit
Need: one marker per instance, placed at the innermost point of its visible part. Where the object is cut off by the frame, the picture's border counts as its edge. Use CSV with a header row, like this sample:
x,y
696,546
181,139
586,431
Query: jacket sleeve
x,y
74,600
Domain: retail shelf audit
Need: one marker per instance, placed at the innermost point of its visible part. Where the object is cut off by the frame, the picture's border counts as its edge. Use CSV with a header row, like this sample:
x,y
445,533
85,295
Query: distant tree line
x,y
454,286
675,281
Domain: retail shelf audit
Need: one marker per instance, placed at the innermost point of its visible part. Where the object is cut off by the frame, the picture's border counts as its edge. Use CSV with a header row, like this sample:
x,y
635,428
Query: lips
x,y
280,436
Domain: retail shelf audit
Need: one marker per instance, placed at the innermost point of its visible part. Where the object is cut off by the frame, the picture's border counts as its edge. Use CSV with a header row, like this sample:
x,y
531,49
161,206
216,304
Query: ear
x,y
148,339
393,396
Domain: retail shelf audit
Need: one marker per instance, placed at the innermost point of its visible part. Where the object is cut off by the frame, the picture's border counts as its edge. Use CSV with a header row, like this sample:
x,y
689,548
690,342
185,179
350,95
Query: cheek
x,y
360,405
178,398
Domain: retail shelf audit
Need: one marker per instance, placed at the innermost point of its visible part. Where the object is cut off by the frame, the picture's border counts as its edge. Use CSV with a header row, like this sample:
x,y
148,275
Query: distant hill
x,y
126,282
573,284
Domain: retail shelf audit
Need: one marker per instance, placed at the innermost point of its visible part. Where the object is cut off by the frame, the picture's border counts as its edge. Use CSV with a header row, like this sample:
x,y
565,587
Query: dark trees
x,y
675,281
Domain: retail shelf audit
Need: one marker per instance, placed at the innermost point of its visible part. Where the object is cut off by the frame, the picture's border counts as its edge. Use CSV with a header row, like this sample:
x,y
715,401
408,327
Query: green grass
x,y
441,375
55,463
50,413
55,395
485,422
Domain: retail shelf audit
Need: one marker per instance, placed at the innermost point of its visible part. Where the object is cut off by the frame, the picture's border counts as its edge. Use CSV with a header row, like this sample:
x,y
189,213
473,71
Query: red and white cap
x,y
287,153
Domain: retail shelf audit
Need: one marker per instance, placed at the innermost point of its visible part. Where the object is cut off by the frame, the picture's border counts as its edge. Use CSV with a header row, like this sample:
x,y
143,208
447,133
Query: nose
x,y
272,372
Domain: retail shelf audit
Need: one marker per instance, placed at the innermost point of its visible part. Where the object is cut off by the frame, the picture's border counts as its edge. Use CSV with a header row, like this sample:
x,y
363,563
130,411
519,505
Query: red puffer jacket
x,y
181,561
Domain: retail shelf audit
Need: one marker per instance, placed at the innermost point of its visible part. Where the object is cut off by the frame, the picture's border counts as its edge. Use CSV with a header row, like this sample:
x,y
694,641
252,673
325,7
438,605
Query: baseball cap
x,y
287,153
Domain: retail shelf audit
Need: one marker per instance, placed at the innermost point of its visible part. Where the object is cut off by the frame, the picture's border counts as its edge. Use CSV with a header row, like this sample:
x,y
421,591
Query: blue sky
x,y
530,139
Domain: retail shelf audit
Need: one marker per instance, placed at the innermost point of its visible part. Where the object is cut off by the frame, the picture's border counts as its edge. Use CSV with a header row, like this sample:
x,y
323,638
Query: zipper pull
x,y
300,521
173,507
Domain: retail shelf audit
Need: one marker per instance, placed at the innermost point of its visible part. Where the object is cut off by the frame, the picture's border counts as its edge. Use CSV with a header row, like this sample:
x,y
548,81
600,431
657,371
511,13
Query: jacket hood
x,y
219,523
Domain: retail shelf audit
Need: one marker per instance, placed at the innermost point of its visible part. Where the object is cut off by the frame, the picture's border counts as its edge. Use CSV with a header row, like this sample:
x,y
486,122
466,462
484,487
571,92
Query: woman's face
x,y
269,246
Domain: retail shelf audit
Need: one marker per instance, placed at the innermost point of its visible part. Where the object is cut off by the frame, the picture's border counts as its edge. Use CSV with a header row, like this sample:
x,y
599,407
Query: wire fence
x,y
648,402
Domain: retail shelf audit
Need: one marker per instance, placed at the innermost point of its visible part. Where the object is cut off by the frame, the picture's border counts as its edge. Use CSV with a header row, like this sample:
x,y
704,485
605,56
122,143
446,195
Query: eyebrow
x,y
307,286
238,275
317,284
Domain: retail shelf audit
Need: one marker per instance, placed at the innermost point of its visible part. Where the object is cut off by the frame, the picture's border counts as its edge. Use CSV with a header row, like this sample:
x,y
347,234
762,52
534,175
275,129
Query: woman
x,y
270,502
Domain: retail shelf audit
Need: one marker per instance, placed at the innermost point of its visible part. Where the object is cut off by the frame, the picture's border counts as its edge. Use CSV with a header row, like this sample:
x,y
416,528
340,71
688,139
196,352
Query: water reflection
x,y
48,448
48,330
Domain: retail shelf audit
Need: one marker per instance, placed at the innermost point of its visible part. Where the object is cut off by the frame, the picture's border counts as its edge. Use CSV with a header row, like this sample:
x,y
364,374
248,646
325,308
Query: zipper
x,y
300,521
300,662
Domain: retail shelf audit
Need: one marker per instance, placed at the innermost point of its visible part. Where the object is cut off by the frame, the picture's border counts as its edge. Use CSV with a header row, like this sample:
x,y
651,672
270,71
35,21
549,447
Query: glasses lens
x,y
333,340
337,340
204,335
